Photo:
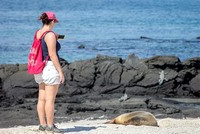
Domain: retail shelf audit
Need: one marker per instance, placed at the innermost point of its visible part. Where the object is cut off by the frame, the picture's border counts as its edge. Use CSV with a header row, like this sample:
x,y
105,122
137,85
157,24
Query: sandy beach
x,y
166,126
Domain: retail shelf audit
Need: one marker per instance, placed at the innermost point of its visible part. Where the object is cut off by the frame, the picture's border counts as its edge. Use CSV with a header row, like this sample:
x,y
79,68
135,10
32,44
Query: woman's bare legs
x,y
41,104
50,96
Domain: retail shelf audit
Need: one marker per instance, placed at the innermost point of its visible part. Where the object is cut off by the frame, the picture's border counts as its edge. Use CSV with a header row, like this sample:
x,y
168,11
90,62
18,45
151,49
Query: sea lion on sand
x,y
137,118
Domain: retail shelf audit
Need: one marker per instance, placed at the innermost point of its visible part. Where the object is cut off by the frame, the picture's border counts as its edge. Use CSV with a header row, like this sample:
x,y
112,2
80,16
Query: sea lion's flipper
x,y
110,122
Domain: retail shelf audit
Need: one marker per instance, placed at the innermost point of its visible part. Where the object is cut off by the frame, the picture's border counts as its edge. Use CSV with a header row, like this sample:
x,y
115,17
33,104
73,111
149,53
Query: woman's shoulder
x,y
50,34
38,33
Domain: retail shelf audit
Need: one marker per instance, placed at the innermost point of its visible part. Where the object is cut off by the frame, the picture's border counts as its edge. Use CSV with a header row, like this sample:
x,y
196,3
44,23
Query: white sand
x,y
167,126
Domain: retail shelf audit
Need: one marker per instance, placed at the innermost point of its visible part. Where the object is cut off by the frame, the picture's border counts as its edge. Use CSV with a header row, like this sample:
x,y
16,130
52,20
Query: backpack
x,y
35,62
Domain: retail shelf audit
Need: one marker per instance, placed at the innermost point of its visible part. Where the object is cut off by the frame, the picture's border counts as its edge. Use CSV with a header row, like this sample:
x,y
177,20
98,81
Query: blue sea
x,y
104,27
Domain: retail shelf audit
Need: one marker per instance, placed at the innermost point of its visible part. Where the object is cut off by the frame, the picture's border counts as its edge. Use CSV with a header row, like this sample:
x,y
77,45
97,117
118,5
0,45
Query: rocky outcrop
x,y
106,79
134,76
164,76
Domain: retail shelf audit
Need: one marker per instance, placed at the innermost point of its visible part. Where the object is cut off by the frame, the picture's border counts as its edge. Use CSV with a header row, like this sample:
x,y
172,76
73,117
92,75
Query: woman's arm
x,y
50,40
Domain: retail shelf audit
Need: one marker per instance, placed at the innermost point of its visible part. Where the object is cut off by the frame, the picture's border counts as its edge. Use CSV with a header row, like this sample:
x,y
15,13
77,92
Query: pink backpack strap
x,y
46,59
45,33
35,36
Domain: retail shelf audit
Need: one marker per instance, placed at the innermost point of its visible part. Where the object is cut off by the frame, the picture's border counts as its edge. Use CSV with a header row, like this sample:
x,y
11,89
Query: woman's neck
x,y
46,28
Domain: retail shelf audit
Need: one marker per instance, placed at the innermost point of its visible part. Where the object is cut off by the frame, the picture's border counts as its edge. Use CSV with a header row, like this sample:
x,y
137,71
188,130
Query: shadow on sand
x,y
80,128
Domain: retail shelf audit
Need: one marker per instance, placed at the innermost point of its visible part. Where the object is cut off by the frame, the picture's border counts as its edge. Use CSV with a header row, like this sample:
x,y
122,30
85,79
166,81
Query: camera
x,y
61,36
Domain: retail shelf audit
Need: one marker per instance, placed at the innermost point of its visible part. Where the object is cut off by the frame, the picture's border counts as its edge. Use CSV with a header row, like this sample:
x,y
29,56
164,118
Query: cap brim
x,y
56,21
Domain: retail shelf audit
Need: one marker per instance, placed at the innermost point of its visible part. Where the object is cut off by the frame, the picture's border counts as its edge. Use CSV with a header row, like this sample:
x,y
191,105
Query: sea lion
x,y
136,118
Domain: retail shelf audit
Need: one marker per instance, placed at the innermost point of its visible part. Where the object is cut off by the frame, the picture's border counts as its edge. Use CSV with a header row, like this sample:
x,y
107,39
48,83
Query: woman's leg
x,y
50,96
41,104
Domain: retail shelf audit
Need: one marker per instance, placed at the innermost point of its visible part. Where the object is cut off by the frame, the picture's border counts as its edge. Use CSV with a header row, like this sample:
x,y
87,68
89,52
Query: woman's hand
x,y
62,78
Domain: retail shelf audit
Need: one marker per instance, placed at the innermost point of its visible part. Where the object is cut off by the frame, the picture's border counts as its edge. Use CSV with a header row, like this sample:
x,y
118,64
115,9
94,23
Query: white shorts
x,y
49,75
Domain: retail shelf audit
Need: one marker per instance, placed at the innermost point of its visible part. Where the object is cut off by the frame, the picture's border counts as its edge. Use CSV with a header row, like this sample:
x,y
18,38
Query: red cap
x,y
51,16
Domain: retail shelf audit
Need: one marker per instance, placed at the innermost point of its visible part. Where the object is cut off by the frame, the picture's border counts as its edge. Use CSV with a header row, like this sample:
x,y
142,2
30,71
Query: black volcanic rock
x,y
95,87
104,74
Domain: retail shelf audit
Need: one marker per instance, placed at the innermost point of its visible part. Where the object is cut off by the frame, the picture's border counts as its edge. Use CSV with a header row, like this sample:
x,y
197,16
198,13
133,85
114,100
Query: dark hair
x,y
45,19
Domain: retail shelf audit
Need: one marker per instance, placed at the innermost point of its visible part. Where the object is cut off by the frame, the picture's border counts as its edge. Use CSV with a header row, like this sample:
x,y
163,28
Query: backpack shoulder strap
x,y
35,36
46,33
46,59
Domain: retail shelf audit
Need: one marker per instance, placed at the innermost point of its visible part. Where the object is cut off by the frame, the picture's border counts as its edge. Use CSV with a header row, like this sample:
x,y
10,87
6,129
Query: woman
x,y
52,74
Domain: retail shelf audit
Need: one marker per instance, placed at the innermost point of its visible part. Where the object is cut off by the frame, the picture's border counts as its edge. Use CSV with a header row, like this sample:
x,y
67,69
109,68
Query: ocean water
x,y
105,27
